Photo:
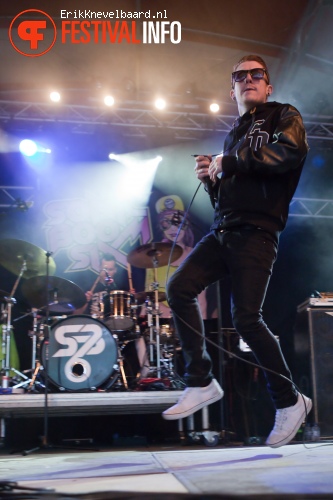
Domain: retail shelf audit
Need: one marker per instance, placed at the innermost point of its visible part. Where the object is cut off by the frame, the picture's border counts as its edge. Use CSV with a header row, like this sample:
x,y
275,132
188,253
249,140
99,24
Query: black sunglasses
x,y
256,74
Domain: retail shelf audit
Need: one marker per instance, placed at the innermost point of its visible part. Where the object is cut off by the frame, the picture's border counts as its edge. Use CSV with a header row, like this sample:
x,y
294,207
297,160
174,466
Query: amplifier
x,y
313,369
322,299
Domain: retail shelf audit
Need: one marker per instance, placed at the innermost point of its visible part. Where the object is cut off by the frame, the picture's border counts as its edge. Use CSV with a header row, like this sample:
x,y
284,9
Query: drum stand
x,y
30,383
162,362
154,329
158,254
120,360
7,330
6,369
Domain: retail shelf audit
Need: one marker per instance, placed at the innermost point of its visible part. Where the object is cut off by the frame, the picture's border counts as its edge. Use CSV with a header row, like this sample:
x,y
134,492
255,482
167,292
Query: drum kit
x,y
81,352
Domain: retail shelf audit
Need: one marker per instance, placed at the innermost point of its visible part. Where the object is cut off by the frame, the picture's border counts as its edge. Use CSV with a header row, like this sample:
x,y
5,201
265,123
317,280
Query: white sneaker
x,y
288,421
193,399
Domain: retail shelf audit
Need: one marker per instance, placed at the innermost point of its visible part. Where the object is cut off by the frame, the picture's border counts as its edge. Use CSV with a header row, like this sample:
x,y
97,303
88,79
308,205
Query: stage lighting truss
x,y
16,197
311,207
139,117
20,198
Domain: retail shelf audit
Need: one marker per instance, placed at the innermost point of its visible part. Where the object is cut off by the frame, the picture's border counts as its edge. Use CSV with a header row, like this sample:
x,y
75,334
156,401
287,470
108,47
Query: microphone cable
x,y
231,354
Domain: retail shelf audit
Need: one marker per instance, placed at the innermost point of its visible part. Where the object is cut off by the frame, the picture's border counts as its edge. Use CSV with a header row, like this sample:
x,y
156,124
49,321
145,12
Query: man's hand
x,y
215,168
206,166
201,167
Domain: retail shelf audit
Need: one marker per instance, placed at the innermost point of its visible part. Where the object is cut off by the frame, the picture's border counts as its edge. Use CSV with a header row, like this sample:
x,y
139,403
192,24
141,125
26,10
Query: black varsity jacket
x,y
263,158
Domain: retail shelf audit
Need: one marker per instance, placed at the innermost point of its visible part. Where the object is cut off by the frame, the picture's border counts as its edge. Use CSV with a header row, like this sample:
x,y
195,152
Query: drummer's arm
x,y
85,308
82,310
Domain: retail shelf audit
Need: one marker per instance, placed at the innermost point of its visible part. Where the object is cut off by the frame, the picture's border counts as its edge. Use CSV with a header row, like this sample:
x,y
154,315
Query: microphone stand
x,y
46,333
45,438
157,320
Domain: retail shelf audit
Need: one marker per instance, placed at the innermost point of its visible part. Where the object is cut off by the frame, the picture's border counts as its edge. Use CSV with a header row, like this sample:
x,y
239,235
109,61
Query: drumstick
x,y
94,285
129,272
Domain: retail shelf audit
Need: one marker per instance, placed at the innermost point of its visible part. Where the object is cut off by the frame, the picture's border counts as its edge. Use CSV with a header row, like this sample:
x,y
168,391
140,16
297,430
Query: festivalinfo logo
x,y
33,32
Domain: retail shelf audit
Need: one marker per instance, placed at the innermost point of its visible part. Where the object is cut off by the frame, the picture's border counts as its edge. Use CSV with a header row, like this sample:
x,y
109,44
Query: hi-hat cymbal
x,y
63,296
154,255
141,297
14,253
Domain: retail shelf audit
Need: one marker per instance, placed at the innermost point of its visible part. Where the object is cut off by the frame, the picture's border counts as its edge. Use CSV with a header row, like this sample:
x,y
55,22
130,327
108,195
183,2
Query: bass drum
x,y
81,353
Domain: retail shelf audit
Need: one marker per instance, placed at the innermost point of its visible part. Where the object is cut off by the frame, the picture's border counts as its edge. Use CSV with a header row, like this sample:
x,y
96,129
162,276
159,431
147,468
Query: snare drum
x,y
121,316
81,353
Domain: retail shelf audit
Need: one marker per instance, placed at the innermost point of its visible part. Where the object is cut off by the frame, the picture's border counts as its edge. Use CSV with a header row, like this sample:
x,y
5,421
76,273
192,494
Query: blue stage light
x,y
28,147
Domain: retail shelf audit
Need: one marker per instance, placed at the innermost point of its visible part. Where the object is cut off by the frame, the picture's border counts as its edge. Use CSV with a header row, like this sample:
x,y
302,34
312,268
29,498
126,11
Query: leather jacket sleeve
x,y
285,150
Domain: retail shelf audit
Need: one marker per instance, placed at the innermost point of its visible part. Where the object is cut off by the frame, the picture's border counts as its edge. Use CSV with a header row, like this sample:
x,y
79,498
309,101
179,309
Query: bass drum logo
x,y
81,353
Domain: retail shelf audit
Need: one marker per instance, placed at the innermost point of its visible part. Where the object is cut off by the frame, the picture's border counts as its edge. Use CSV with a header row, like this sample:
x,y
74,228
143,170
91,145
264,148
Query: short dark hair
x,y
253,57
108,257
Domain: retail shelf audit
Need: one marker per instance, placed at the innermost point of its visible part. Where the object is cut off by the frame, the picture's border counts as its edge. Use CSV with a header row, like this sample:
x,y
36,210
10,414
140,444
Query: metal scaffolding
x,y
137,116
311,207
16,197
20,198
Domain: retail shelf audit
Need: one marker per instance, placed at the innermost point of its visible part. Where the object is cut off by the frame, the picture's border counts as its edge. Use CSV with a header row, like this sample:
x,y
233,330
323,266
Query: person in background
x,y
98,305
100,288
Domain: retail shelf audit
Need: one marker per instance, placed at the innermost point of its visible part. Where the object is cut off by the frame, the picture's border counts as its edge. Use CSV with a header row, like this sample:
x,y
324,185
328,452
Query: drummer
x,y
102,286
97,304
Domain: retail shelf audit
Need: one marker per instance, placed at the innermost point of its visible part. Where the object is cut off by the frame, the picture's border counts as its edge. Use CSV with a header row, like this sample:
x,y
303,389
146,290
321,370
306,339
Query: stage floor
x,y
293,471
179,469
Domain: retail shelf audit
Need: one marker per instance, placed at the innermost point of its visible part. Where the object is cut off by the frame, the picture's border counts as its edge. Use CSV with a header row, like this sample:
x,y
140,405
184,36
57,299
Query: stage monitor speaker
x,y
313,370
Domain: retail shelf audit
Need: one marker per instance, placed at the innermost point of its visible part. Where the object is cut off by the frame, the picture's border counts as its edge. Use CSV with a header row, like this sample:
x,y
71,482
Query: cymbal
x,y
3,294
13,253
63,296
154,255
141,297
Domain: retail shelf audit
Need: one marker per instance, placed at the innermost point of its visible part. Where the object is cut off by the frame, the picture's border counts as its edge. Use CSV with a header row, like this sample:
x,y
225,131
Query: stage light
x,y
154,161
109,100
137,177
55,96
318,161
214,107
160,103
133,163
28,147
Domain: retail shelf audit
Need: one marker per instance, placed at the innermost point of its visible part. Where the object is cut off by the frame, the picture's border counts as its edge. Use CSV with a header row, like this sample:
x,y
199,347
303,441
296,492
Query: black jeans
x,y
247,254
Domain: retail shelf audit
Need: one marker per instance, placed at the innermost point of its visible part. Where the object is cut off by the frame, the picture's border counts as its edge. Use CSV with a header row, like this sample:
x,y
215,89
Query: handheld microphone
x,y
207,156
208,181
